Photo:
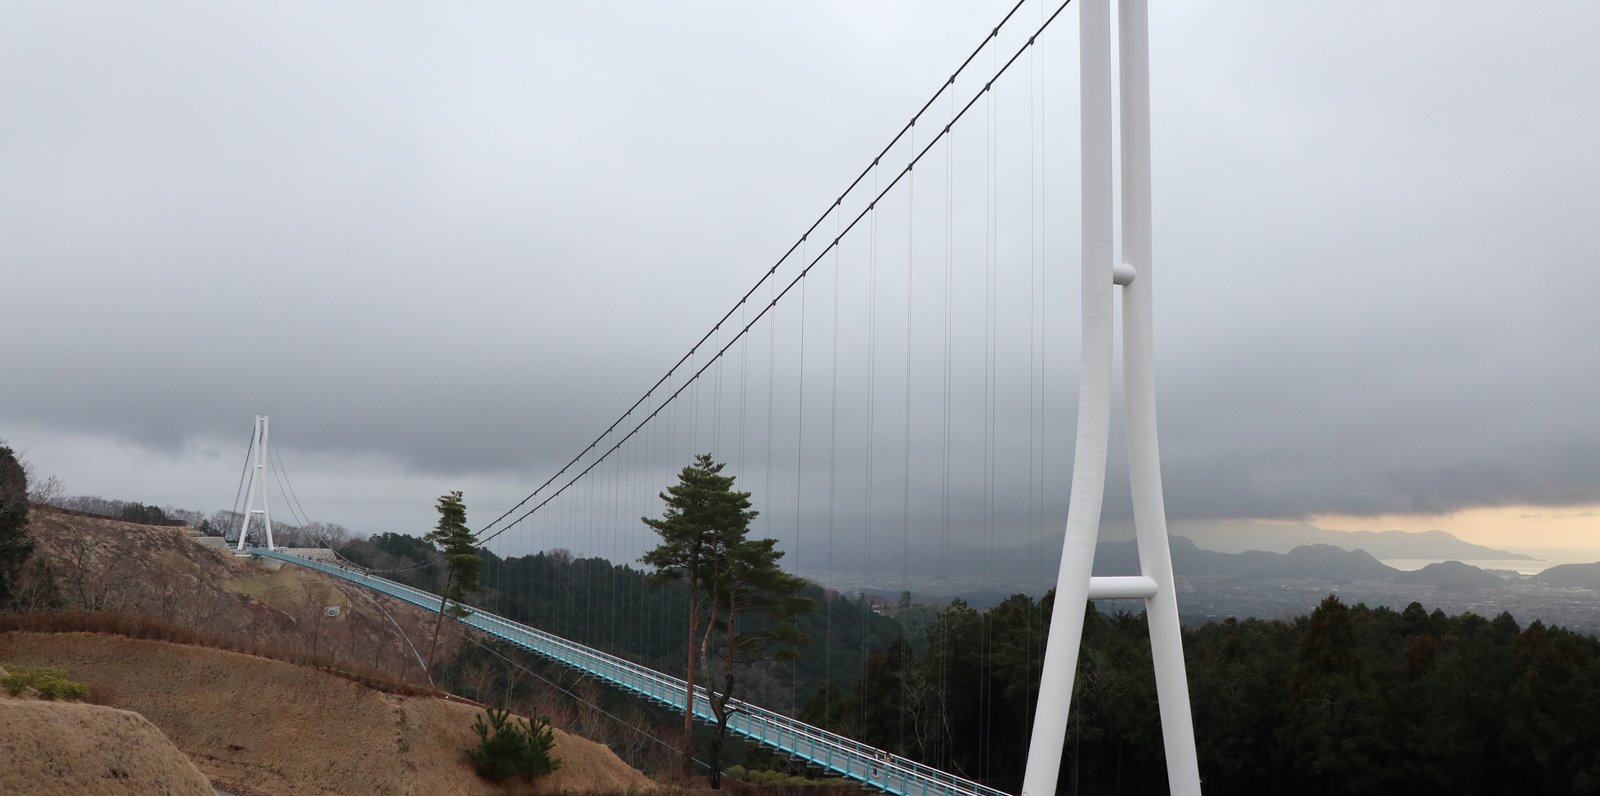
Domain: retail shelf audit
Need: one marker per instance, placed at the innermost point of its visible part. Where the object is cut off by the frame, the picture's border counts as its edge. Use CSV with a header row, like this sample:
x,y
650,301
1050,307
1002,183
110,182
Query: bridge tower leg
x,y
1100,278
258,486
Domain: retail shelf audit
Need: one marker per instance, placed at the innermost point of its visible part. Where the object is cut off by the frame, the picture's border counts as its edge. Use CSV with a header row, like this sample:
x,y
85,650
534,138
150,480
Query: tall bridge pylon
x,y
1101,276
258,486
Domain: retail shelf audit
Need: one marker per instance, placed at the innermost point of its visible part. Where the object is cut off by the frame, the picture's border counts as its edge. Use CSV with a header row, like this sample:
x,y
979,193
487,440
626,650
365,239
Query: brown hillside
x,y
271,728
98,564
73,749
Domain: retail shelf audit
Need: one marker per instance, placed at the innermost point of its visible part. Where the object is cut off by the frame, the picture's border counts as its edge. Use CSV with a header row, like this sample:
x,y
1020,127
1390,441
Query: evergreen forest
x,y
1346,699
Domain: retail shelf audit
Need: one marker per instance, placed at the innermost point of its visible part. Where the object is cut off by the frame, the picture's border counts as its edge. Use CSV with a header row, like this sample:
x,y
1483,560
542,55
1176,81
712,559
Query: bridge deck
x,y
836,753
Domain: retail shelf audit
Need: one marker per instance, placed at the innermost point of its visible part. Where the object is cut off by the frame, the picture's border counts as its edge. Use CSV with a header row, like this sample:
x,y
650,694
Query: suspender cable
x,y
872,415
833,479
905,486
799,470
239,493
839,236
988,38
990,267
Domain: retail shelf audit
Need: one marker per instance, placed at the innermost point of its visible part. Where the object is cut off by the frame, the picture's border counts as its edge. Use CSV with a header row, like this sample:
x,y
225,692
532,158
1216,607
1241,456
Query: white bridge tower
x,y
258,485
1101,277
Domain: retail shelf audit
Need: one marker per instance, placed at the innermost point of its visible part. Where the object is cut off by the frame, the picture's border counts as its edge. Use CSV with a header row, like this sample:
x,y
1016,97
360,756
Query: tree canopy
x,y
1348,699
15,546
742,605
463,564
704,517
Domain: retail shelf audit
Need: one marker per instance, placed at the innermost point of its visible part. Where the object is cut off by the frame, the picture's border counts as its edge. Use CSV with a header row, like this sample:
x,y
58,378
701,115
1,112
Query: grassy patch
x,y
288,589
49,682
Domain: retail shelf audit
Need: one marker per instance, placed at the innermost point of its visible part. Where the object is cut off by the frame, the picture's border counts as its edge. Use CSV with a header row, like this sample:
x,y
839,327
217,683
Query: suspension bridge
x,y
830,751
872,246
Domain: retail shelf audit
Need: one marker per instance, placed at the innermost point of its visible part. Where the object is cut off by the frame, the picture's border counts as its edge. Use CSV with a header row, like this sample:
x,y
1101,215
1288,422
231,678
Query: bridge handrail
x,y
677,685
907,770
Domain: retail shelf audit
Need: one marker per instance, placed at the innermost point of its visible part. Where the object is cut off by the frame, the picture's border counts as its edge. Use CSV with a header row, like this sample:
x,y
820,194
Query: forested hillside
x,y
1345,700
616,608
1348,699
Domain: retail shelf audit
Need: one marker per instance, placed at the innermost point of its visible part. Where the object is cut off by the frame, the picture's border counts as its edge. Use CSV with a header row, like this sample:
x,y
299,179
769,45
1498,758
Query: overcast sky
x,y
445,246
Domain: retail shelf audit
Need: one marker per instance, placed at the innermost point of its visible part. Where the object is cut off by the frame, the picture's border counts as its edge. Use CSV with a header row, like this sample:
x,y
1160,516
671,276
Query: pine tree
x,y
464,566
705,541
15,546
702,511
747,584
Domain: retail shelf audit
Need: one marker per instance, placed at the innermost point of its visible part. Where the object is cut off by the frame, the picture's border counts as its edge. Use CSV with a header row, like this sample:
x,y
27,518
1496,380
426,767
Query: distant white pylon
x,y
258,485
1101,275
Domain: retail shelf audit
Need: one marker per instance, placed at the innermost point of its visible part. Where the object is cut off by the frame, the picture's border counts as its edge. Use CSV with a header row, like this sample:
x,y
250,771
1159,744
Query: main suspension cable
x,y
694,378
238,493
771,271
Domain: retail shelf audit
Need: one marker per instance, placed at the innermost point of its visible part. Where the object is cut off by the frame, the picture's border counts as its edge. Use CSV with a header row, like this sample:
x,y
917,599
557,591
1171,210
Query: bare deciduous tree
x,y
164,592
592,722
922,709
91,577
634,741
36,589
44,492
547,701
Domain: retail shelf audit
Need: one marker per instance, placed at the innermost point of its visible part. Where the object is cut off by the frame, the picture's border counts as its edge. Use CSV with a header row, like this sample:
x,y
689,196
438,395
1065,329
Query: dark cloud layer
x,y
461,243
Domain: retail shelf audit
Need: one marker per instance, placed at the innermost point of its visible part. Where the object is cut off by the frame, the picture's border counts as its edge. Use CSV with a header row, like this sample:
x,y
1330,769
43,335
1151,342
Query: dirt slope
x,y
270,728
100,564
72,749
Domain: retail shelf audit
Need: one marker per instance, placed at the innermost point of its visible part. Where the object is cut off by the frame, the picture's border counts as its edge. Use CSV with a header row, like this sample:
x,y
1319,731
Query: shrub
x,y
101,694
768,777
48,681
512,748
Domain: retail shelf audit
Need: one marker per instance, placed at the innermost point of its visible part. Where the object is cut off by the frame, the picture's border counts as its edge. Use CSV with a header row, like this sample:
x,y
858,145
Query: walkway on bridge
x,y
831,751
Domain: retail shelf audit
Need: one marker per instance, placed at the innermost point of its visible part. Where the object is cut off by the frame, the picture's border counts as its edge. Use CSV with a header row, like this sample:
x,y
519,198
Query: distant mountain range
x,y
1452,576
1583,575
985,576
1315,561
1239,536
1261,545
1308,562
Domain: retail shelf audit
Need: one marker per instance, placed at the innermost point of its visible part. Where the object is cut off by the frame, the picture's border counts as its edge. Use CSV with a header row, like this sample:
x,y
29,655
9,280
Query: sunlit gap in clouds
x,y
1518,528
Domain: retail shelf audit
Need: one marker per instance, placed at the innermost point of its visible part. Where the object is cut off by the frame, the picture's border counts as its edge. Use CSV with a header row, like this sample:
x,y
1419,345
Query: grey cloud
x,y
462,243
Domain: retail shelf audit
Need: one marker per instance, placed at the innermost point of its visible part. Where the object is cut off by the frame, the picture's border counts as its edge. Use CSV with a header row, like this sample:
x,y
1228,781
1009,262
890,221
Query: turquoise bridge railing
x,y
852,759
